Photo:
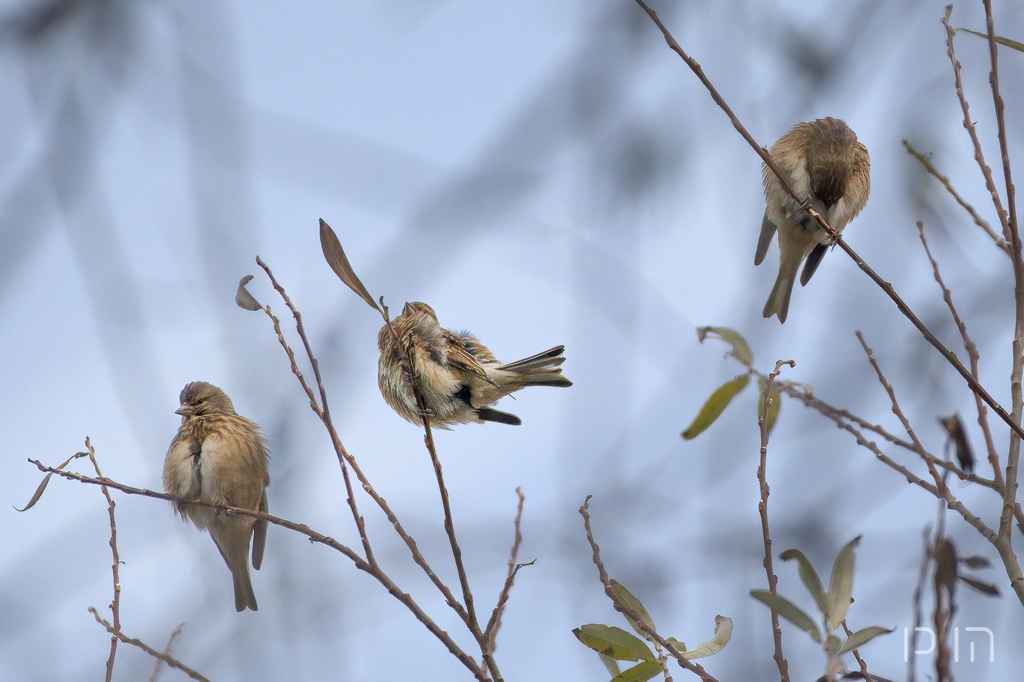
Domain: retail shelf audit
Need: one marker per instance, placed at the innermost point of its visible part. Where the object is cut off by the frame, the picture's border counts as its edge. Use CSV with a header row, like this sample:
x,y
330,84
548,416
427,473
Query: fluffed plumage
x,y
826,164
458,376
220,457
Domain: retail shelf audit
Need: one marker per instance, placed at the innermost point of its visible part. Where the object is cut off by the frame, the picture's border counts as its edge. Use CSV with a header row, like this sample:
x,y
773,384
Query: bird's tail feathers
x,y
542,369
488,414
778,300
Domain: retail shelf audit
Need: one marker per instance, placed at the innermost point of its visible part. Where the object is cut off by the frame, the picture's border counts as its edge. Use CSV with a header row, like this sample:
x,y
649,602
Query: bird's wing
x,y
765,239
464,354
259,535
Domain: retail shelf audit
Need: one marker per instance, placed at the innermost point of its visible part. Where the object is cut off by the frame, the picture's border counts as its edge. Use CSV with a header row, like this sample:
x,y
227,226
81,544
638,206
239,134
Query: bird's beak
x,y
405,309
183,411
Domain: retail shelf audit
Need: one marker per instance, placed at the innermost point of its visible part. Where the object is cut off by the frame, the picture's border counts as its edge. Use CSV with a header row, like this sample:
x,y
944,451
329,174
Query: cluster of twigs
x,y
485,635
1004,486
1005,470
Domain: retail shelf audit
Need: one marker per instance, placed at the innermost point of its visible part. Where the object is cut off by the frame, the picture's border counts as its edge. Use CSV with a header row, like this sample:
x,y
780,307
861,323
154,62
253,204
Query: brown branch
x,y
622,608
469,616
953,503
762,508
494,624
323,412
167,652
836,238
856,654
360,563
1004,545
942,490
972,131
978,220
166,658
845,420
344,457
115,604
972,354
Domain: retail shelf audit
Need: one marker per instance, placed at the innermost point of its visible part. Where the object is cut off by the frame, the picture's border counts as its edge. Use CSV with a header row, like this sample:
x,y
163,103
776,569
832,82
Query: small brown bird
x,y
826,164
218,456
459,377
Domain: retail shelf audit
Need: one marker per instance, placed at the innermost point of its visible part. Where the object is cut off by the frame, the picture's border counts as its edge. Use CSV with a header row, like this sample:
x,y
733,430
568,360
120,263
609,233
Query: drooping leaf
x,y
614,642
740,348
626,597
1013,44
680,646
338,261
789,611
37,494
975,561
776,402
610,664
862,637
986,588
715,405
723,633
243,299
840,585
808,576
641,672
946,565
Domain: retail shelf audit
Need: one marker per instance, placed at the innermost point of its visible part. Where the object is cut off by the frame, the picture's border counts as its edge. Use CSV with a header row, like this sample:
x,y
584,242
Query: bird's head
x,y
199,398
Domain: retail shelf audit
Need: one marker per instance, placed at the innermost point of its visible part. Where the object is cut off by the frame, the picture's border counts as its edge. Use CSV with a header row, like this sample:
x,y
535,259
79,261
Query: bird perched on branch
x,y
830,169
219,457
458,377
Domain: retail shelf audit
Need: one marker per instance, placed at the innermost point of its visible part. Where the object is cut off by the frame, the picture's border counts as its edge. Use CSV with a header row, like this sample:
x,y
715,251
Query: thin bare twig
x,y
942,490
972,354
978,220
322,411
848,422
157,669
115,604
762,508
344,457
836,237
166,658
922,577
622,608
918,446
1004,545
494,624
359,562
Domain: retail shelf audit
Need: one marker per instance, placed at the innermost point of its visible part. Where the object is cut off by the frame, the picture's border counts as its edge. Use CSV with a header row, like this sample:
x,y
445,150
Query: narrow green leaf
x,y
614,642
740,348
840,585
789,611
641,672
37,494
723,633
809,577
336,258
633,603
715,405
610,663
862,637
776,405
1013,44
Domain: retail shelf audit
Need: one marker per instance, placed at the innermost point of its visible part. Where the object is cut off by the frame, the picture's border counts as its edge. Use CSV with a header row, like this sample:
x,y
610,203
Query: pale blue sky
x,y
540,173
